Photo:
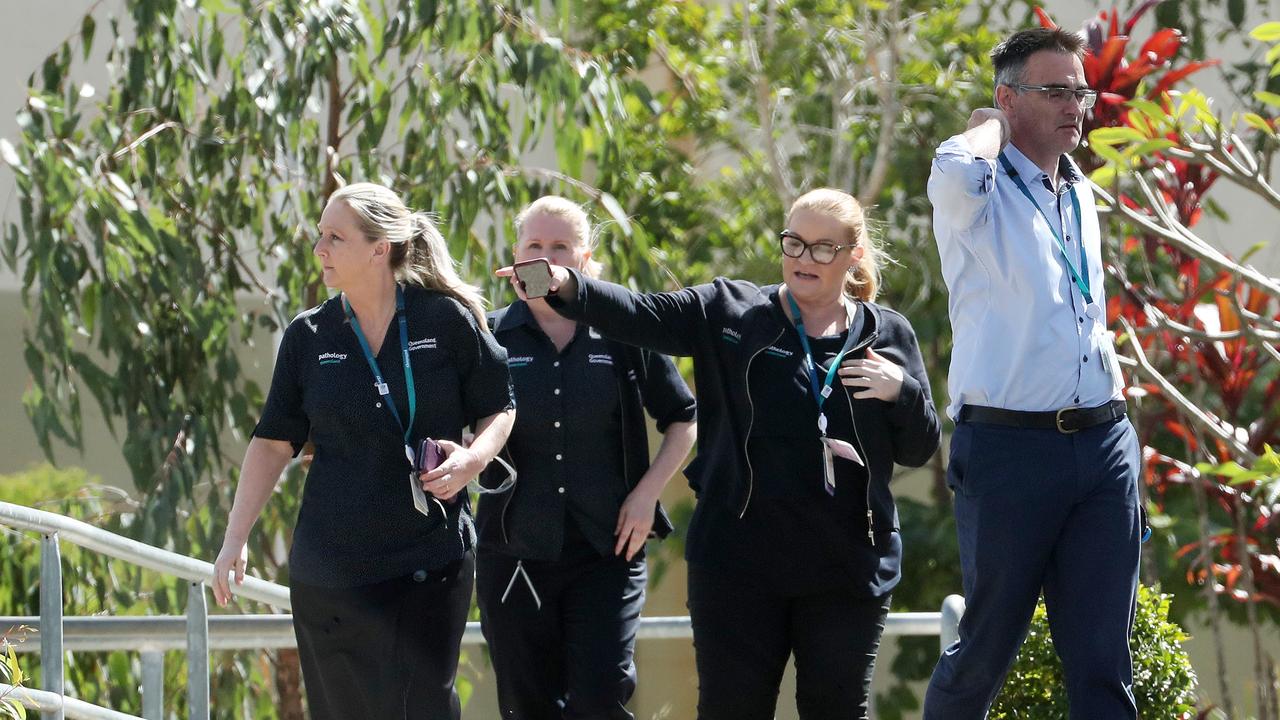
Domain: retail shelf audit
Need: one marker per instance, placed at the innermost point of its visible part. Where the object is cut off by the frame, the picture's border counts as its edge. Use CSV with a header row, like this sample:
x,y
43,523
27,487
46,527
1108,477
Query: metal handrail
x,y
47,702
158,633
197,632
122,548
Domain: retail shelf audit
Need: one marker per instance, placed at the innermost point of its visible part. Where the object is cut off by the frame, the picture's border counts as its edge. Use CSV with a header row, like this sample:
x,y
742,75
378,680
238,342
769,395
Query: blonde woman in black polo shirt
x,y
809,393
561,571
380,580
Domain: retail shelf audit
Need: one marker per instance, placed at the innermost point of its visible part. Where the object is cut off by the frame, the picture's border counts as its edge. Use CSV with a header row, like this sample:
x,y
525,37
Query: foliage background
x,y
685,127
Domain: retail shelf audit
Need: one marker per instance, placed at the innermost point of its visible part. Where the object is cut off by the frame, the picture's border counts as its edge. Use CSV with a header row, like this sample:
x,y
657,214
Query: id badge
x,y
1110,363
843,449
421,502
828,469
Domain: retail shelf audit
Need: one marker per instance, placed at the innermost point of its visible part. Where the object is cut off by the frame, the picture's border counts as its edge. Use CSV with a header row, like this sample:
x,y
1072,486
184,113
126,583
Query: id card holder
x,y
1110,363
828,470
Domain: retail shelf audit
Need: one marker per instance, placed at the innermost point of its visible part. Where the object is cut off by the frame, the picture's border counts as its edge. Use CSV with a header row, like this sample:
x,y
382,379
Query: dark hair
x,y
1010,56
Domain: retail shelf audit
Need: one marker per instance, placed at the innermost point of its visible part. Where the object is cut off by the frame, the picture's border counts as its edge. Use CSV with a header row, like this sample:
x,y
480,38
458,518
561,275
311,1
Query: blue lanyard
x,y
378,383
823,391
1080,277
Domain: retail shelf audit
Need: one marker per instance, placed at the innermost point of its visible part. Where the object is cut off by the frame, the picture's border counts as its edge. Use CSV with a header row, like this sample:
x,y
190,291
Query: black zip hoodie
x,y
724,325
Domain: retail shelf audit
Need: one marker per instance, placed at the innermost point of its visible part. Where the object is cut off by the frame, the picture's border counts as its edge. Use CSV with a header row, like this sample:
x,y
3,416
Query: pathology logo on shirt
x,y
519,361
423,344
730,335
332,358
776,351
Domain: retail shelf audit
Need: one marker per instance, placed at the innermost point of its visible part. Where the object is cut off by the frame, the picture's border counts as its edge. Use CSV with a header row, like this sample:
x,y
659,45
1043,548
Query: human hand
x,y
880,377
460,467
635,521
234,557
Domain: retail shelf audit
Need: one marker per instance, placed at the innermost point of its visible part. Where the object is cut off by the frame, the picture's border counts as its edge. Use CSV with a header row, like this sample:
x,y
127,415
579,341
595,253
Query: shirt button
x,y
555,364
377,404
557,423
419,575
559,456
1085,358
557,391
1080,319
560,490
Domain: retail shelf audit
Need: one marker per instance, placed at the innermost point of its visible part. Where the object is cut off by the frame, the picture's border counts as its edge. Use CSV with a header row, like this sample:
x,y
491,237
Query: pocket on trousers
x,y
985,458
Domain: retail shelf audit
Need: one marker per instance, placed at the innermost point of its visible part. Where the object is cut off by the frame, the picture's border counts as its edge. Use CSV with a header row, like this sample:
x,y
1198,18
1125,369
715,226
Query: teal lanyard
x,y
1080,277
820,391
378,383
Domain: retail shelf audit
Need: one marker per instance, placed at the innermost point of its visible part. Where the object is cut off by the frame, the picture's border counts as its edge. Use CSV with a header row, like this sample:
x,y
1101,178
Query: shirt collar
x,y
1067,168
516,315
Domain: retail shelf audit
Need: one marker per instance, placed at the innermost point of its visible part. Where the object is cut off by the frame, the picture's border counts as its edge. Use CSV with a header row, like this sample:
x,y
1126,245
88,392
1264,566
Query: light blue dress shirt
x,y
1022,337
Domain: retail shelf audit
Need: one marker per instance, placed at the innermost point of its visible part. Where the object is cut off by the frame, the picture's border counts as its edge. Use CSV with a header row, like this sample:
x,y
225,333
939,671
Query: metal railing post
x,y
197,653
51,656
153,684
952,611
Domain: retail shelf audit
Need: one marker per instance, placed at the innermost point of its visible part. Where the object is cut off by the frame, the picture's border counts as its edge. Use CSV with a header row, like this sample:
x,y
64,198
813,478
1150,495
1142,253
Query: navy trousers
x,y
1039,511
572,658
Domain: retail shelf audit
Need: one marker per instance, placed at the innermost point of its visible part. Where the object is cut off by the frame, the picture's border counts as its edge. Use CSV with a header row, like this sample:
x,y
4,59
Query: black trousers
x,y
387,650
573,657
743,634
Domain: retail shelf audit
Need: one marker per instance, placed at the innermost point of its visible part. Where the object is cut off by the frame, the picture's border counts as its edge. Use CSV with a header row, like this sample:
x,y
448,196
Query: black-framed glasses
x,y
822,251
1085,96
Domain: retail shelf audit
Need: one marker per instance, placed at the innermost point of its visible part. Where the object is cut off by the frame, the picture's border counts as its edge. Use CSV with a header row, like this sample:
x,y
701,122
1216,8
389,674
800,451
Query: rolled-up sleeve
x,y
961,185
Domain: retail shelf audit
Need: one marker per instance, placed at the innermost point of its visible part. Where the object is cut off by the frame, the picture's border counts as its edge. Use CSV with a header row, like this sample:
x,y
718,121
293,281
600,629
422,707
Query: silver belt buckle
x,y
1057,421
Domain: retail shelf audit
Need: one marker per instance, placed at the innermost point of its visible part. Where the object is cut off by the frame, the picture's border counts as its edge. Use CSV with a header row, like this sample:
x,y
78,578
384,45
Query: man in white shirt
x,y
1044,463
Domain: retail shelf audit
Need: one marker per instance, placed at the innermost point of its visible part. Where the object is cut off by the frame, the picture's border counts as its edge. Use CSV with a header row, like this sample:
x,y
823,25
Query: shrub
x,y
1163,681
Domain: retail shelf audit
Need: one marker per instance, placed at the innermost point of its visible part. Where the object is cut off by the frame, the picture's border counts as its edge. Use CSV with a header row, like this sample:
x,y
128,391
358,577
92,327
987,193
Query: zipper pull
x,y
871,525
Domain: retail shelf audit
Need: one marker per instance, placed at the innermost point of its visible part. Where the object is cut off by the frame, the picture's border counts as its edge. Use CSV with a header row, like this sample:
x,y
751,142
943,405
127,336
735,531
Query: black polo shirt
x,y
567,439
357,524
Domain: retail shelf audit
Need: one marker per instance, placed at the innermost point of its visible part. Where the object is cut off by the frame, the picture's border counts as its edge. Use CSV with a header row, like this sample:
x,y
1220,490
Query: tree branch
x,y
889,110
1202,418
1197,248
764,104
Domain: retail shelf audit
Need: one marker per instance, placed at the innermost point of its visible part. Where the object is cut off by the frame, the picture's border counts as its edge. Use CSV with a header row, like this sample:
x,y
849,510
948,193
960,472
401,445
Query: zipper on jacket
x,y
871,523
751,419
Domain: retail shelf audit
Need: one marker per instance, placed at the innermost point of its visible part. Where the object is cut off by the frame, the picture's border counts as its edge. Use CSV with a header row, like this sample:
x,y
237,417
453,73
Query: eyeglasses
x,y
1085,96
794,246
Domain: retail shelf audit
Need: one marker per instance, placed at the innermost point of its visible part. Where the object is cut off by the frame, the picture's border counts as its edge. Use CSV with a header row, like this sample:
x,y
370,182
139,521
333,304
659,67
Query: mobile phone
x,y
430,455
534,277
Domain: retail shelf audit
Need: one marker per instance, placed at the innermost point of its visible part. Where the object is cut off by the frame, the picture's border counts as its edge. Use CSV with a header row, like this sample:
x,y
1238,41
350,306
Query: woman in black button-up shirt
x,y
794,545
560,571
380,589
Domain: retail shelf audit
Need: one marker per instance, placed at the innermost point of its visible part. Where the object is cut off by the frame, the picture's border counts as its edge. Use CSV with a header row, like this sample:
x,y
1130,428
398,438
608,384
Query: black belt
x,y
1066,421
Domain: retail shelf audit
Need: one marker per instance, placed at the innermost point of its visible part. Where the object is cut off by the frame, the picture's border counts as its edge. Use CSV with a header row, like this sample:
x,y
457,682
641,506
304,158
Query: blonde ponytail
x,y
419,253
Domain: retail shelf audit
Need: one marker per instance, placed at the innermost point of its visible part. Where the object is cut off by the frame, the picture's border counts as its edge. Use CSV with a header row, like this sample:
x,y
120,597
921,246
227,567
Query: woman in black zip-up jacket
x,y
794,544
561,571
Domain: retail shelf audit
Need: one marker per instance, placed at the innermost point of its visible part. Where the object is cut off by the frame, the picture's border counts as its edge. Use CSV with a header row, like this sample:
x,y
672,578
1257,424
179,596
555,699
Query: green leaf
x,y
1266,32
1115,136
1258,123
1269,98
87,27
1151,146
615,210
